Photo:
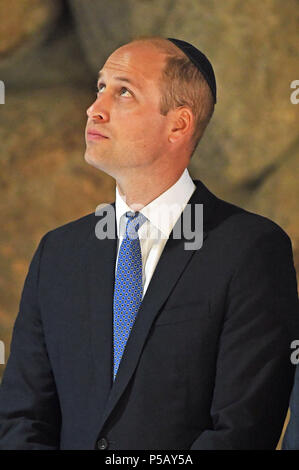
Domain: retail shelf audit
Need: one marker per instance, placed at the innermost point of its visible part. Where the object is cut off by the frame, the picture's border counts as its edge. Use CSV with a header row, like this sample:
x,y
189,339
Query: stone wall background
x,y
50,53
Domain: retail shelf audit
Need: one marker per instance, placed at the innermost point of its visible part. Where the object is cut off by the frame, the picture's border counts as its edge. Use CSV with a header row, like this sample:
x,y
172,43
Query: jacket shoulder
x,y
244,226
231,221
73,233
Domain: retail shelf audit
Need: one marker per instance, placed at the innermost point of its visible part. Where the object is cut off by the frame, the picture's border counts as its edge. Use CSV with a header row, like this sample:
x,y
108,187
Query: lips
x,y
96,134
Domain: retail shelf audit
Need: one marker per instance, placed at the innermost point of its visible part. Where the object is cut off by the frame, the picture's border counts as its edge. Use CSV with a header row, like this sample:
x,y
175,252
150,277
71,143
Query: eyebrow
x,y
122,79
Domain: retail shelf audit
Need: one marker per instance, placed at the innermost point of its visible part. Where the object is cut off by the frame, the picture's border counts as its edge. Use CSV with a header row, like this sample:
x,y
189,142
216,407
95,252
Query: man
x,y
141,341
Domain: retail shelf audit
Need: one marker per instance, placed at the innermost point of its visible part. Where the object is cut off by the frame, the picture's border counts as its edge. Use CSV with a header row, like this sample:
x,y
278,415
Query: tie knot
x,y
134,222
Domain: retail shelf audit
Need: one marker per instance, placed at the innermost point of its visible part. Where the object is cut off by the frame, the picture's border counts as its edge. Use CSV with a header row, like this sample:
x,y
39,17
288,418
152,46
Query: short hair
x,y
182,84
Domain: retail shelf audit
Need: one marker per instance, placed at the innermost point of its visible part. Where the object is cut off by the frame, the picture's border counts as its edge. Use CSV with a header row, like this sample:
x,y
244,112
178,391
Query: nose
x,y
98,111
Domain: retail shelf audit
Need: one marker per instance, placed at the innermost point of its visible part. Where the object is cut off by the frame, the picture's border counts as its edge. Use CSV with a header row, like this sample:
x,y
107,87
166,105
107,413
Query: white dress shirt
x,y
162,214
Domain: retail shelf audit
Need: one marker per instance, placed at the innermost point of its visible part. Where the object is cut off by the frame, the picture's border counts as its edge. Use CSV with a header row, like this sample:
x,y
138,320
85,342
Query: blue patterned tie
x,y
128,286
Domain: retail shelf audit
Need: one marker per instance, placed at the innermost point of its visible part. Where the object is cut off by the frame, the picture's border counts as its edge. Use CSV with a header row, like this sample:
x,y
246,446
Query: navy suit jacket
x,y
291,437
207,364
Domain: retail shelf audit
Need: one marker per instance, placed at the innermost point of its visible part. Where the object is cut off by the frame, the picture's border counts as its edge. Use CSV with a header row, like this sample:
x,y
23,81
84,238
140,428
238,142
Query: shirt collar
x,y
164,211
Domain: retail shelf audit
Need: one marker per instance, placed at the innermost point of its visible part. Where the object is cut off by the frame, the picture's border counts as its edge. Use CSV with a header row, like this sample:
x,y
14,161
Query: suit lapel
x,y
170,267
101,257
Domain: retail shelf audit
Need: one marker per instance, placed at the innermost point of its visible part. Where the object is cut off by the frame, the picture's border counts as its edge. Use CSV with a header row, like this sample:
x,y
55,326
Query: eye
x,y
99,88
125,90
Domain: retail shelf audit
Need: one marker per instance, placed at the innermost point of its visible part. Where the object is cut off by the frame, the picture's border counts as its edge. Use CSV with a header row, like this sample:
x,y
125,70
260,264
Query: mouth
x,y
95,135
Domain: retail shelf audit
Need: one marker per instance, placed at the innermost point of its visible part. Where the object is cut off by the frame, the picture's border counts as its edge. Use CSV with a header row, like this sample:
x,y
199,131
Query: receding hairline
x,y
162,44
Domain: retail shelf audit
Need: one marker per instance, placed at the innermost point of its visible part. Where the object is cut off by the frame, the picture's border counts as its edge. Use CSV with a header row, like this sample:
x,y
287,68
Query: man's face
x,y
127,112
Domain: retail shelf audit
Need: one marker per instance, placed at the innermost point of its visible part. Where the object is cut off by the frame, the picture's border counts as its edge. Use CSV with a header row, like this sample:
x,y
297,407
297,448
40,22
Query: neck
x,y
138,191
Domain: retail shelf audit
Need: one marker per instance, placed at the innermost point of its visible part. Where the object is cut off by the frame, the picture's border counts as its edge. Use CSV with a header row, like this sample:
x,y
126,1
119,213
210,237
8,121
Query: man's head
x,y
153,105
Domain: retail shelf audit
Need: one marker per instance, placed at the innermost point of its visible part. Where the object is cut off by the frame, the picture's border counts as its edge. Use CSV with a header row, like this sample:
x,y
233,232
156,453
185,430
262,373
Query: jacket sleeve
x,y
29,406
254,373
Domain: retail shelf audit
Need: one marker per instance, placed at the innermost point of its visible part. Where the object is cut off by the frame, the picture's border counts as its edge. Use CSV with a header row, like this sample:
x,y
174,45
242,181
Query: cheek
x,y
142,128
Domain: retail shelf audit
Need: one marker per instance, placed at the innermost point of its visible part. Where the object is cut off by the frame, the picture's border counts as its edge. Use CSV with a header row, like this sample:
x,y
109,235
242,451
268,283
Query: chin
x,y
88,158
98,163
92,160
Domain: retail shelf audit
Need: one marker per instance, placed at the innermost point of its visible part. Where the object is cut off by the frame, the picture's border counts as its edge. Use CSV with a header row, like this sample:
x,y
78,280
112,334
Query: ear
x,y
181,125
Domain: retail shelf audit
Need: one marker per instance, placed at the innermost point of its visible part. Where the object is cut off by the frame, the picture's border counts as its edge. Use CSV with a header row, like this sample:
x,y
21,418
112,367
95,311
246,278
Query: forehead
x,y
140,61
